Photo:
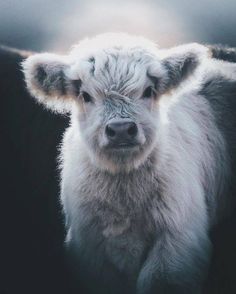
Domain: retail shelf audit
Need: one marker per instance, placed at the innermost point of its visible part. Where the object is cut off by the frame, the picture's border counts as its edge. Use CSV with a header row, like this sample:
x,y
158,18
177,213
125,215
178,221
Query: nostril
x,y
110,132
132,130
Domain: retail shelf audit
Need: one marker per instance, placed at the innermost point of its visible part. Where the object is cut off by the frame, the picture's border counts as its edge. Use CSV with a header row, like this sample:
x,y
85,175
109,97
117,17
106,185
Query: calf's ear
x,y
46,80
179,63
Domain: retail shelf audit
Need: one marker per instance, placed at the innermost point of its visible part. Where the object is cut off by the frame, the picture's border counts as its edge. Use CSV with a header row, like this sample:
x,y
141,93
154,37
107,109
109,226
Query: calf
x,y
143,172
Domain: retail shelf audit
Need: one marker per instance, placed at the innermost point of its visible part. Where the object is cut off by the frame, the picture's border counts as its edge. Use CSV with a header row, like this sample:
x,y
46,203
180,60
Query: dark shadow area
x,y
32,232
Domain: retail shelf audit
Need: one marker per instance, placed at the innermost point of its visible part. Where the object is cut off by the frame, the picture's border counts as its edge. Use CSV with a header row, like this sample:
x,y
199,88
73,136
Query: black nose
x,y
121,132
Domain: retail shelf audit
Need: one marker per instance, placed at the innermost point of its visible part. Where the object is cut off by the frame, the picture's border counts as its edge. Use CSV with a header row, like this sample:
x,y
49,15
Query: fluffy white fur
x,y
157,201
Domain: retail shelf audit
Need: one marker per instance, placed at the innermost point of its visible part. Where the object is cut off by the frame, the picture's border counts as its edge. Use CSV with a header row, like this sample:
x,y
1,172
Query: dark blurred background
x,y
31,223
57,24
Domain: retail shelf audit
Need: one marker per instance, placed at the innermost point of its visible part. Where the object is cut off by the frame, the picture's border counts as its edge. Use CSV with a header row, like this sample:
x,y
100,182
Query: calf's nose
x,y
121,131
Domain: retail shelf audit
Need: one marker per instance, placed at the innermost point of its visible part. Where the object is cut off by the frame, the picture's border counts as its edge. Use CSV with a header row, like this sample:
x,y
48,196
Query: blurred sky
x,y
55,25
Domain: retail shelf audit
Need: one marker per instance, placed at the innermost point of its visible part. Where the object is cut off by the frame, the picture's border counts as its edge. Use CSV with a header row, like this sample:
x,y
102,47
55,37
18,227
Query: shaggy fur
x,y
138,218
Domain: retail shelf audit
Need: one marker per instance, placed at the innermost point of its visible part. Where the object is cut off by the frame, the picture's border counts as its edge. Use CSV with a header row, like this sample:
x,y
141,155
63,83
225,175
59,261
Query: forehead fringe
x,y
113,62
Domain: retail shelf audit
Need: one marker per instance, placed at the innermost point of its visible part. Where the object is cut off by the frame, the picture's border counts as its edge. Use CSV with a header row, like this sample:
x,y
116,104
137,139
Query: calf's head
x,y
112,85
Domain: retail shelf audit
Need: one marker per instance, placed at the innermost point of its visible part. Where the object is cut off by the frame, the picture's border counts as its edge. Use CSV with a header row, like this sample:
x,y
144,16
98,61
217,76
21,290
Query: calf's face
x,y
112,85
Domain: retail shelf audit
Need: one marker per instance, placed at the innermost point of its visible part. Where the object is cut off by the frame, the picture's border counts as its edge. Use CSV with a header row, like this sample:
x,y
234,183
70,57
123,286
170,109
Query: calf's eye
x,y
86,97
148,93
